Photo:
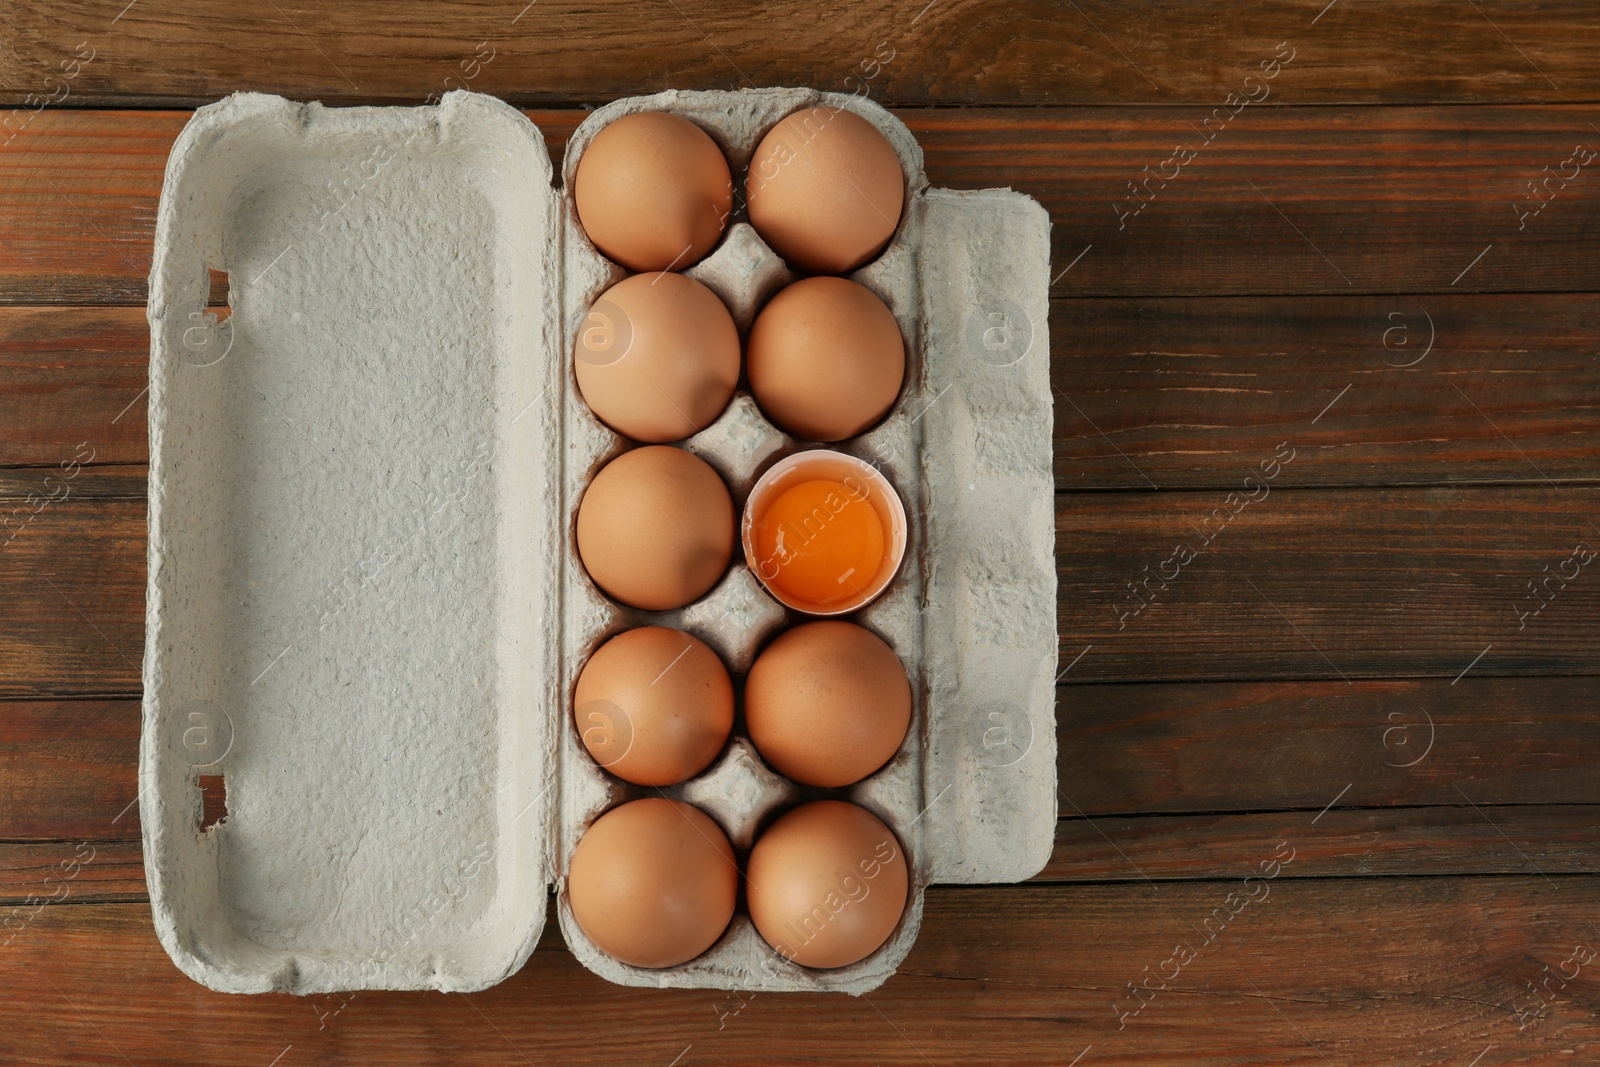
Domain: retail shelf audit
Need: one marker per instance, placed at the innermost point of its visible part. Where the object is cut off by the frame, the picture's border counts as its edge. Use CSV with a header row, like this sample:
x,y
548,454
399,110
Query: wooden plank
x,y
1182,391
1373,390
72,384
78,195
72,577
1281,200
69,769
1364,843
36,489
1181,777
1557,839
954,52
1290,200
1306,973
1249,746
70,872
1312,583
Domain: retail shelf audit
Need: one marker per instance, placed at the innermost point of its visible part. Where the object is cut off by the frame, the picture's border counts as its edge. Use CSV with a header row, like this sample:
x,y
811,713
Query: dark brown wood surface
x,y
1336,355
1335,200
948,52
1377,970
1236,376
1309,583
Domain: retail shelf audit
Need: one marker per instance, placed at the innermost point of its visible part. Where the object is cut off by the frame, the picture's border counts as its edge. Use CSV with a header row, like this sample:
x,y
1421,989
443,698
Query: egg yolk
x,y
820,542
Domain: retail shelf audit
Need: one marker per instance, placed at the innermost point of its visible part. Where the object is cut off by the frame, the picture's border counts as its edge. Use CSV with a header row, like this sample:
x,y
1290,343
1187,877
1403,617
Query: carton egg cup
x,y
366,611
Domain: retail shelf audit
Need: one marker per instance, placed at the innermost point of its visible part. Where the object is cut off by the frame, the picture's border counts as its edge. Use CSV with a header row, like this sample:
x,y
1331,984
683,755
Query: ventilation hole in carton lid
x,y
207,334
213,800
219,292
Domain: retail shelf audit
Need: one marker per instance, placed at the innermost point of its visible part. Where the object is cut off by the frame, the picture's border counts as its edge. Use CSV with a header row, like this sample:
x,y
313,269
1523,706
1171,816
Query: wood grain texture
x,y
1311,584
49,485
1171,780
1123,750
1281,200
1373,390
70,872
1368,843
72,577
1182,391
1311,972
1308,583
1251,746
1339,677
951,52
69,770
1555,839
72,384
78,203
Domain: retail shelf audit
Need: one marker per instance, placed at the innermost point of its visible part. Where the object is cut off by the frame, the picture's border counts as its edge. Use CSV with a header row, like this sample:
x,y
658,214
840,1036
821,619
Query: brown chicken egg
x,y
825,190
826,884
657,357
826,359
654,706
827,703
655,528
653,882
653,191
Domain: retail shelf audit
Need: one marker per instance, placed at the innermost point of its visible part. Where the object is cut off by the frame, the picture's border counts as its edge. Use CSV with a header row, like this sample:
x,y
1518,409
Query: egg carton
x,y
366,612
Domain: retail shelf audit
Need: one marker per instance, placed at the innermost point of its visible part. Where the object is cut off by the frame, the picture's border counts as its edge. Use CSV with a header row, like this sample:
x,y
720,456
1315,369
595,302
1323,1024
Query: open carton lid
x,y
358,614
377,413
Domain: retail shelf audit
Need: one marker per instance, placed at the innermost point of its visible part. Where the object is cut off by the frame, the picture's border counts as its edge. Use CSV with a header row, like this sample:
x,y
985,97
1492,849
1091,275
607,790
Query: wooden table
x,y
1323,313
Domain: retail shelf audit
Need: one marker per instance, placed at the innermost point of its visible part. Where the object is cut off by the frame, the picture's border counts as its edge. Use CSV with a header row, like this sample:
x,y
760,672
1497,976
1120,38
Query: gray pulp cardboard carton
x,y
366,612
